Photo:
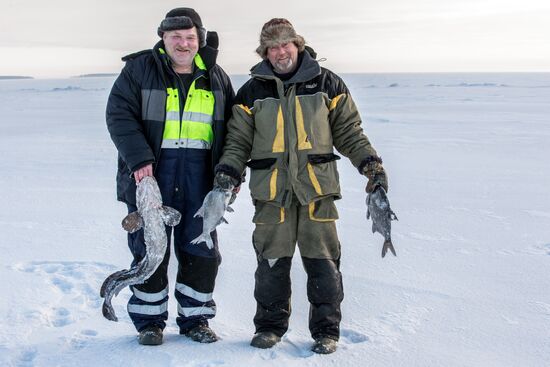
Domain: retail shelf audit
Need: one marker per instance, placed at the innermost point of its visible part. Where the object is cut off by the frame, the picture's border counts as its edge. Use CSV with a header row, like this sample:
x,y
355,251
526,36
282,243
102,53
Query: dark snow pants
x,y
277,231
184,177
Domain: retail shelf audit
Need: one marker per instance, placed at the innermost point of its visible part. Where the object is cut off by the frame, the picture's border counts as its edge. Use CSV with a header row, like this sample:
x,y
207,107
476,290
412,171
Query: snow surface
x,y
467,157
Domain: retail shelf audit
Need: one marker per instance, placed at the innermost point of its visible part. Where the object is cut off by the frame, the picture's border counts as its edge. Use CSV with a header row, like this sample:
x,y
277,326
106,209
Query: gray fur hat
x,y
278,31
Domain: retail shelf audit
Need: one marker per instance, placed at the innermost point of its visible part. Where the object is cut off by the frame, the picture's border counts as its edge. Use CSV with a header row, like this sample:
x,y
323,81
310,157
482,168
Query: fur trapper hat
x,y
278,31
183,18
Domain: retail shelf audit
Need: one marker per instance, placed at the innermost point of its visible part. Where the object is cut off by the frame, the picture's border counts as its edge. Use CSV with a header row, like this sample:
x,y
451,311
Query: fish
x,y
214,206
152,216
378,207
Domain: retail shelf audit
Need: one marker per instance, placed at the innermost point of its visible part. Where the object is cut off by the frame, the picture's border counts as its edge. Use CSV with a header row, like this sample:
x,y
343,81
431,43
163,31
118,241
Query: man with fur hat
x,y
286,121
167,115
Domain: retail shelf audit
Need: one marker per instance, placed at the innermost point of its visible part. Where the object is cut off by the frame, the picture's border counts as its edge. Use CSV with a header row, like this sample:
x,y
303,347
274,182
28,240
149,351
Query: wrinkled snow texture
x,y
151,210
214,205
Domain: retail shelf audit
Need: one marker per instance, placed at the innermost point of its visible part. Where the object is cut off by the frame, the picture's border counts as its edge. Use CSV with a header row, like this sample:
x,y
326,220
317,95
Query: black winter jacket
x,y
136,111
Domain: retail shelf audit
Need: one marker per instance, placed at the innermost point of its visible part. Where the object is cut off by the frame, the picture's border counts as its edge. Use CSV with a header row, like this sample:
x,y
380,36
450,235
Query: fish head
x,y
148,194
220,195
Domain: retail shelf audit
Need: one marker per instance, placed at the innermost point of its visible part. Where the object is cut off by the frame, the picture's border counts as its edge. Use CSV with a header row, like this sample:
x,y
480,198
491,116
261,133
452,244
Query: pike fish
x,y
378,207
214,206
152,216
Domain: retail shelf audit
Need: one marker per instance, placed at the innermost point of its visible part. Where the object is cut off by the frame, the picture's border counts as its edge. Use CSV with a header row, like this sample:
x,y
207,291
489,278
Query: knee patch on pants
x,y
324,281
198,272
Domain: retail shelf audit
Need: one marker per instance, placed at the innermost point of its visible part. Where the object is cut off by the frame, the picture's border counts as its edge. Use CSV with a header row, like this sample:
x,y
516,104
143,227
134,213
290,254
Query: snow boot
x,y
324,345
265,340
202,334
151,335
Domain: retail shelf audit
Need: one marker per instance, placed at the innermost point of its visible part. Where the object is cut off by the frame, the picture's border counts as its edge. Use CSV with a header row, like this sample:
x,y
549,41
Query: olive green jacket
x,y
285,131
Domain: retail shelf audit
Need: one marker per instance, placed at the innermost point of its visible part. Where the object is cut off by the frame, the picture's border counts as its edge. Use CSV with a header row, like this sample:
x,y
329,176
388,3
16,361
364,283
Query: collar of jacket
x,y
308,69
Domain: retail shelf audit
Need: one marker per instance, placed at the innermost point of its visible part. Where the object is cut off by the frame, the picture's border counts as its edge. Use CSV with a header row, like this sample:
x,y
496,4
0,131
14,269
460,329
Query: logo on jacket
x,y
312,85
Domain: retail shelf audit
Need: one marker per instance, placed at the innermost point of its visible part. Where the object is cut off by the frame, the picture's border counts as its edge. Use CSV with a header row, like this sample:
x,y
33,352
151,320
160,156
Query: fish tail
x,y
108,282
388,245
116,282
108,311
204,237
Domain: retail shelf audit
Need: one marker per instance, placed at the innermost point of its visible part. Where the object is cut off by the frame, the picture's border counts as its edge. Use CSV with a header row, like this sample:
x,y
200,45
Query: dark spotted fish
x,y
152,216
378,207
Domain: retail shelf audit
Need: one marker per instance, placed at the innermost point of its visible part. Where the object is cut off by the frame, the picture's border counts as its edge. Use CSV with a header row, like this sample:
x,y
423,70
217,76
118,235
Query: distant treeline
x,y
3,77
96,75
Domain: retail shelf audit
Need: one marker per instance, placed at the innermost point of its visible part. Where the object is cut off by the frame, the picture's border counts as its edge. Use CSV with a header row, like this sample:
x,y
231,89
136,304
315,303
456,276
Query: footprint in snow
x,y
78,279
353,337
81,339
59,317
26,358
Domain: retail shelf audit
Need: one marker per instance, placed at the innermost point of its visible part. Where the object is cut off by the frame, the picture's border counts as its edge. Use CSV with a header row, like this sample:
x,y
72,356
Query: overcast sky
x,y
60,38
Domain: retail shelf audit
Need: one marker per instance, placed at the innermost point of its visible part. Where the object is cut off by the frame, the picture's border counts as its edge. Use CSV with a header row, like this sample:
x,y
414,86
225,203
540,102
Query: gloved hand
x,y
376,175
227,183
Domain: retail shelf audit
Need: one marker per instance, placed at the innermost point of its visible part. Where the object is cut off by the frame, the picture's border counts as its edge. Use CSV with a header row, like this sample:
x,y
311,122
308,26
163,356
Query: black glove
x,y
227,183
376,175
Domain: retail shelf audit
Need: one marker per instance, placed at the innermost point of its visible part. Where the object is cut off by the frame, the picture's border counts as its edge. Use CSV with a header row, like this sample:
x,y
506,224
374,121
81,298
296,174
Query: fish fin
x,y
132,222
229,209
170,216
199,213
388,246
368,206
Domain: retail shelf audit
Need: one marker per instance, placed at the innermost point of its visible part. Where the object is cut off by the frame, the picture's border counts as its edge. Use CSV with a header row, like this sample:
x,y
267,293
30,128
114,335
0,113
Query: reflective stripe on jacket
x,y
193,127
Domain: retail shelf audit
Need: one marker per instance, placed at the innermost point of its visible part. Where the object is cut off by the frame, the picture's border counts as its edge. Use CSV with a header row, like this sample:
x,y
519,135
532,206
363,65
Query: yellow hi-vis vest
x,y
195,128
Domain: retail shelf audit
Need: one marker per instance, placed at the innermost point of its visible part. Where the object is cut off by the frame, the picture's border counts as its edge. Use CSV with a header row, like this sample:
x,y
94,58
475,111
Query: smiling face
x,y
283,57
181,46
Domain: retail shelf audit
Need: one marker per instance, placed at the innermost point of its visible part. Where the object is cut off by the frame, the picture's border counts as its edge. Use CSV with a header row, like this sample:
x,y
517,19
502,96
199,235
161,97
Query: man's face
x,y
181,46
283,57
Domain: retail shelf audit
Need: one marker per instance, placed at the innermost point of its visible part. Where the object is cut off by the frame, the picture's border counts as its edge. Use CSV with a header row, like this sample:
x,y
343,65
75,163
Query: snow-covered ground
x,y
467,157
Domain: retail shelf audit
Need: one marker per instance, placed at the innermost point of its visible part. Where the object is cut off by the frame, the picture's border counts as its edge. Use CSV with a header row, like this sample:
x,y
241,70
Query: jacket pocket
x,y
266,213
321,175
323,210
265,179
322,158
265,163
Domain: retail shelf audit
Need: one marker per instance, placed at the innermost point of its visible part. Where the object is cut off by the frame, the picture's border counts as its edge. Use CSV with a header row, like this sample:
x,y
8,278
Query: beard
x,y
284,67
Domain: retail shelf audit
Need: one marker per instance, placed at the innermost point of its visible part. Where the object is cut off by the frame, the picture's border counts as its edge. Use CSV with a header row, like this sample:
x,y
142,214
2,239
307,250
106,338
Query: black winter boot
x,y
265,340
324,345
151,335
202,334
